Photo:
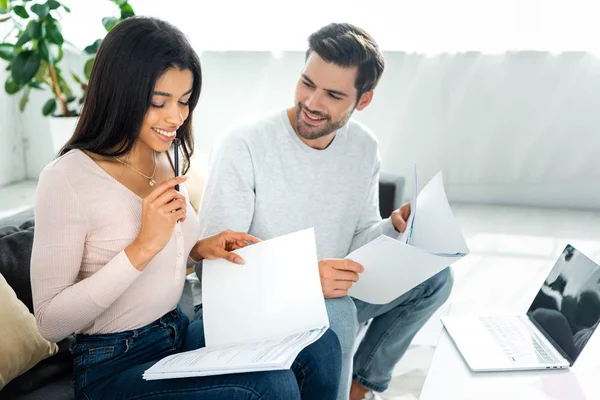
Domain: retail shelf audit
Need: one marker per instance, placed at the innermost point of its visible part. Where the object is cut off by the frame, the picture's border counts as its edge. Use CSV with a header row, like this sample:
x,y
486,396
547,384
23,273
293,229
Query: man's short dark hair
x,y
347,45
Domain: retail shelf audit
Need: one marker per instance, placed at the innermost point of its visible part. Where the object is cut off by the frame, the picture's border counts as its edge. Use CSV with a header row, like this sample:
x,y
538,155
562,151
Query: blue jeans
x,y
111,366
388,336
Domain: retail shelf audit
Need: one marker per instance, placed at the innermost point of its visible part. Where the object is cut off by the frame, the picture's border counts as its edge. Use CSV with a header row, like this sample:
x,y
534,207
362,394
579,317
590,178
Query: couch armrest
x,y
391,193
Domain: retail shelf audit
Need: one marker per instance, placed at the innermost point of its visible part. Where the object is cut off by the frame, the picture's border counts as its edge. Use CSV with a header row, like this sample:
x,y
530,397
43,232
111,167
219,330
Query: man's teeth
x,y
313,118
165,133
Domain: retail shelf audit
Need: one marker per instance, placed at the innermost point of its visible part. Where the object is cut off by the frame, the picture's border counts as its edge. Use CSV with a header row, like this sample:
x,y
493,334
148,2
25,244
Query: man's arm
x,y
370,225
228,199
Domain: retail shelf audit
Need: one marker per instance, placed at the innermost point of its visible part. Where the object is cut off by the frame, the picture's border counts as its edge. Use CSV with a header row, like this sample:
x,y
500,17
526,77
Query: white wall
x,y
517,128
12,167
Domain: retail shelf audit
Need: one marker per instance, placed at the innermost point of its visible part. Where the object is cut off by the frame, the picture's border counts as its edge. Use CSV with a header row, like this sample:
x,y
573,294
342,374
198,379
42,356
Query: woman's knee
x,y
319,366
329,363
275,385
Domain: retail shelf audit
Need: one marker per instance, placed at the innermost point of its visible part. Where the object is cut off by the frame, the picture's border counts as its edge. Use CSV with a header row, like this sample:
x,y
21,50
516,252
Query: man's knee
x,y
343,321
441,286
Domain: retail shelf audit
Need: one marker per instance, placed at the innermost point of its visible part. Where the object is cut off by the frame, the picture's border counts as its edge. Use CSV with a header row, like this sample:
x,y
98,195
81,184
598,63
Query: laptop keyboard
x,y
516,341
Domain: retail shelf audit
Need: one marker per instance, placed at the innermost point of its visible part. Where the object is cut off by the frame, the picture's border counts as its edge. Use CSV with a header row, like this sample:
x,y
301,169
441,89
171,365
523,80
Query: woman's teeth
x,y
165,133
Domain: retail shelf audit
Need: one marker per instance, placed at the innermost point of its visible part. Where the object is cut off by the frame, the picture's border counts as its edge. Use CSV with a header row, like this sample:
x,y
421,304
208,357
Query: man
x,y
311,166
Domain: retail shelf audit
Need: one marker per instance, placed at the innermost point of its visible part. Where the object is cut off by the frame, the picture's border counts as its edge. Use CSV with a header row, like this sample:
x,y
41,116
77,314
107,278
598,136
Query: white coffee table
x,y
449,378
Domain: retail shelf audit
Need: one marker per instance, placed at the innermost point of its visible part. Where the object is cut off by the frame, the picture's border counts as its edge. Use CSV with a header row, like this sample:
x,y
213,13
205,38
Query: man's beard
x,y
309,132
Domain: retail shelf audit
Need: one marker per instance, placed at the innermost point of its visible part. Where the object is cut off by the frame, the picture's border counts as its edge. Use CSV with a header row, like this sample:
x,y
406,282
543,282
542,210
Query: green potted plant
x,y
34,53
34,49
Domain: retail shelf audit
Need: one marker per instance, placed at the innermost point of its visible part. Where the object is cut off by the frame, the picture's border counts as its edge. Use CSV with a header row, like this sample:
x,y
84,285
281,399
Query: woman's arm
x,y
62,304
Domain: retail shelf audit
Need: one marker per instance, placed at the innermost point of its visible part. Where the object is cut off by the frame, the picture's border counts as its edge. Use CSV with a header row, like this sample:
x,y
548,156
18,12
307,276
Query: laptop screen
x,y
567,307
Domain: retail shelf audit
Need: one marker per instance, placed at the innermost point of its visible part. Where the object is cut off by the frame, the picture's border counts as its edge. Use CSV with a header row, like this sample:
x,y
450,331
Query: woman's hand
x,y
161,210
221,245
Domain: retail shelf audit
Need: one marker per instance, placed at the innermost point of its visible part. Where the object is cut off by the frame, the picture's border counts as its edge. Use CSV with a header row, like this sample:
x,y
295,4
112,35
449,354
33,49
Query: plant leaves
x,y
7,51
24,38
76,78
87,70
93,48
49,51
49,107
35,29
53,4
53,33
71,99
109,23
36,85
63,84
21,11
41,10
4,5
25,65
60,54
24,99
67,9
3,10
10,86
43,48
42,75
126,11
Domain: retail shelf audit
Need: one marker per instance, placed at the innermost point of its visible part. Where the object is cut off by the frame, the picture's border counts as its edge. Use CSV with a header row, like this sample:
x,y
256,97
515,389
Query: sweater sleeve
x,y
228,200
370,225
63,302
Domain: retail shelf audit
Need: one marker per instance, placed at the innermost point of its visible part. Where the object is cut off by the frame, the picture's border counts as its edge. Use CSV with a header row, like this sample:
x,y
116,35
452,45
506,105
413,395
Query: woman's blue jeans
x,y
111,366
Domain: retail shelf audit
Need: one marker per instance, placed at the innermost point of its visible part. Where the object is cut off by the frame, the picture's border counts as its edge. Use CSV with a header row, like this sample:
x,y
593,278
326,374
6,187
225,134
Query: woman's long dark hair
x,y
131,58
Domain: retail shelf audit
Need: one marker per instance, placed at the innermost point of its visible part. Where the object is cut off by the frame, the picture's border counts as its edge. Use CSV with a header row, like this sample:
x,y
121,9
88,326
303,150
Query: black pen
x,y
176,157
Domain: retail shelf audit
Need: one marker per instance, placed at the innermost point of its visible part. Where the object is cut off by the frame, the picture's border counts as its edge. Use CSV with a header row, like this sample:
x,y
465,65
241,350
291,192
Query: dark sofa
x,y
51,378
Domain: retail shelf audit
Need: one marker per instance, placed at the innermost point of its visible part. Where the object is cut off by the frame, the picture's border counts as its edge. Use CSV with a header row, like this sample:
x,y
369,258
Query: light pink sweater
x,y
81,278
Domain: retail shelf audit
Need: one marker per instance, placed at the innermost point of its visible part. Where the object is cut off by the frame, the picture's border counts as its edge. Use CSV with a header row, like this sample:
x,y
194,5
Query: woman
x,y
113,235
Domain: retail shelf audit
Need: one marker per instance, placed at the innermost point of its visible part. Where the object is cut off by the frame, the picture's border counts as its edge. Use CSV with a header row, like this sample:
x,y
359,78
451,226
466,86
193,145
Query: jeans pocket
x,y
98,355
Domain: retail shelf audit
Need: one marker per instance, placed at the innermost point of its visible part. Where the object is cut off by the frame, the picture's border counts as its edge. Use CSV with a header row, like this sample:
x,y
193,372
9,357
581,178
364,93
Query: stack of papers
x,y
258,316
431,242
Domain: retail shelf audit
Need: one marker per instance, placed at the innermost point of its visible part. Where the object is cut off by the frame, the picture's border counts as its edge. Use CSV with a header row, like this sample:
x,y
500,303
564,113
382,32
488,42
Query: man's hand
x,y
400,216
337,276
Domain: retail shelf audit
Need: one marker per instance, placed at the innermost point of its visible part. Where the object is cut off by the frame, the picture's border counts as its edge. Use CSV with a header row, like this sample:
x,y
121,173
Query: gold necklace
x,y
151,181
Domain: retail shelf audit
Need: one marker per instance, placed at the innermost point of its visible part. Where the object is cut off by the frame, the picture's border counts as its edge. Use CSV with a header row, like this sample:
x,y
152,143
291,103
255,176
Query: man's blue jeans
x,y
111,366
386,340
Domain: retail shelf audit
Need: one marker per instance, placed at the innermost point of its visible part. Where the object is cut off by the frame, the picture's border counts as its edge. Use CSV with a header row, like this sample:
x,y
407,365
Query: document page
x,y
257,316
431,242
268,355
276,293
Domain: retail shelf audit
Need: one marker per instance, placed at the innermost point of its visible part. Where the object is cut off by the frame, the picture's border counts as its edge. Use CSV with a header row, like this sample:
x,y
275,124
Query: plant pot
x,y
44,137
61,129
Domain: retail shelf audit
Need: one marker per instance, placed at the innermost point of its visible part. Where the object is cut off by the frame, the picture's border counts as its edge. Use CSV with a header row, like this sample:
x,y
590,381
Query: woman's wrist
x,y
195,255
139,254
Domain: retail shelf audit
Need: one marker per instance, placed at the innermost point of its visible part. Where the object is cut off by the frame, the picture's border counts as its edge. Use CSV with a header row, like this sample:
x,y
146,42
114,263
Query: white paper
x,y
436,229
257,316
276,293
404,237
393,267
263,356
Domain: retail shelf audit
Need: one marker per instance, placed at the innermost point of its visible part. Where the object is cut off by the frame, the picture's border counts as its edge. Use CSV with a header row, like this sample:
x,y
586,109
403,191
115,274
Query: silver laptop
x,y
553,332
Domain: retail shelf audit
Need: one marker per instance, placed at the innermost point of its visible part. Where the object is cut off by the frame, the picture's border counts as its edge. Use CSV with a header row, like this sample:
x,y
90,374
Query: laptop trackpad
x,y
476,344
